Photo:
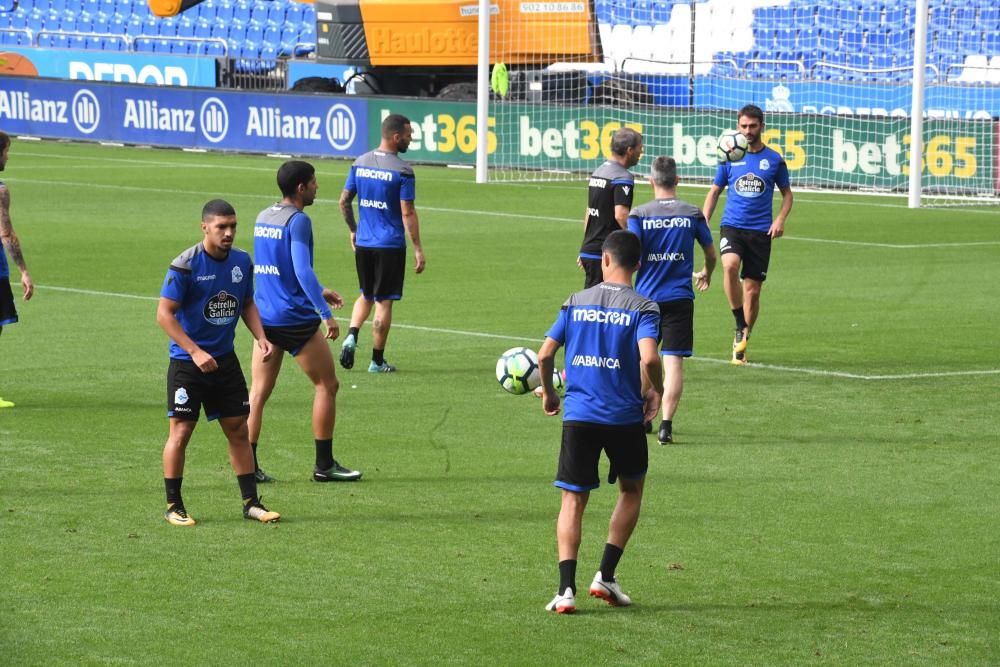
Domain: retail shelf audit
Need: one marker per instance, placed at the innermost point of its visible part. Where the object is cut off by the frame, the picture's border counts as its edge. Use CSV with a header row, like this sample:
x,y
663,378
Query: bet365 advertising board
x,y
819,149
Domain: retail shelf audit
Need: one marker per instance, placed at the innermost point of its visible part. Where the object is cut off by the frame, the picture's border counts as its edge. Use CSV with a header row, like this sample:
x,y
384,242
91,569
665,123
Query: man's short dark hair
x,y
4,141
292,174
217,207
664,172
752,111
624,139
394,124
624,248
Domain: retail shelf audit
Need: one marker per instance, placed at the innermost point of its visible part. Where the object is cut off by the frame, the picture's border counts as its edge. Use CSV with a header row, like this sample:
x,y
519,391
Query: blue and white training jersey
x,y
751,184
288,291
211,293
601,328
381,181
667,229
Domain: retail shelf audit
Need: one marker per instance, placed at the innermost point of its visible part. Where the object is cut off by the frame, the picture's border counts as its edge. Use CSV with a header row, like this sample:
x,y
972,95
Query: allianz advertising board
x,y
114,66
185,117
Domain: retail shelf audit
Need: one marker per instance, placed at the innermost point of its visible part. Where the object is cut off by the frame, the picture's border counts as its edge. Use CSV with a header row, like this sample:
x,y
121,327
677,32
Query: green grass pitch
x,y
834,503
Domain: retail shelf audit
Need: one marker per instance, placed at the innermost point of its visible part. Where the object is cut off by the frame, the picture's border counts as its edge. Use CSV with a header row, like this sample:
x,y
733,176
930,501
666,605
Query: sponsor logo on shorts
x,y
723,243
222,309
237,275
181,396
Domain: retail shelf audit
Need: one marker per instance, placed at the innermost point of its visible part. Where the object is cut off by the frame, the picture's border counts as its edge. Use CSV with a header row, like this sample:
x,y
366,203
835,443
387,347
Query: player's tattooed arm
x,y
347,210
7,235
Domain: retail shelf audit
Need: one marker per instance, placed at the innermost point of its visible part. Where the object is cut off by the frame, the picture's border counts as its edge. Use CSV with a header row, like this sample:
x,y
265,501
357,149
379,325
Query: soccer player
x,y
8,313
667,227
386,188
609,199
293,304
610,334
748,224
208,288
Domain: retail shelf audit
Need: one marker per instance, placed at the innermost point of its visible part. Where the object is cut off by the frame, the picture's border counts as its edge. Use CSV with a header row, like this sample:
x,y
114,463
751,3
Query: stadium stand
x,y
840,40
245,29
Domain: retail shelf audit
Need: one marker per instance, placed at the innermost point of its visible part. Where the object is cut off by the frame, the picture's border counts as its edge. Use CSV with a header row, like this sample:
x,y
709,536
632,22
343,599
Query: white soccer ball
x,y
558,381
733,146
517,370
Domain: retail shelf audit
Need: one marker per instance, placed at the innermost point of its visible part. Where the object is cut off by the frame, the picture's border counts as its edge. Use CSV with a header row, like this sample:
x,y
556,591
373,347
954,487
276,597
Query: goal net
x,y
835,81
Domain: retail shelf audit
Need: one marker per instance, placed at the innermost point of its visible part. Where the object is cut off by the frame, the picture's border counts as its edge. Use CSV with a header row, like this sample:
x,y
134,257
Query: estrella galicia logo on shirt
x,y
237,274
750,185
222,308
181,396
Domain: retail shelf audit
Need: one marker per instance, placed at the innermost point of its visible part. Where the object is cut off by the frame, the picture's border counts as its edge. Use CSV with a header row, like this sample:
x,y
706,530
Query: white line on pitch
x,y
489,214
521,339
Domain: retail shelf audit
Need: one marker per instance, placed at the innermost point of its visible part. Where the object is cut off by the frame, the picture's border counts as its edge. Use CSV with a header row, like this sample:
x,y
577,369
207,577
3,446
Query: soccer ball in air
x,y
732,146
558,381
517,370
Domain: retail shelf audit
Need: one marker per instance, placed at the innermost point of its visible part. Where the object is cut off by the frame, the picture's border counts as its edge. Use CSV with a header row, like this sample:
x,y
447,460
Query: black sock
x,y
741,320
609,561
173,486
378,356
567,576
324,453
248,489
256,465
353,331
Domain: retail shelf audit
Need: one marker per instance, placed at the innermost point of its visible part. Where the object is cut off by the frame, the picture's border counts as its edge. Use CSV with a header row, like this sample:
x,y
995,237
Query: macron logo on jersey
x,y
377,174
373,203
602,317
665,223
267,232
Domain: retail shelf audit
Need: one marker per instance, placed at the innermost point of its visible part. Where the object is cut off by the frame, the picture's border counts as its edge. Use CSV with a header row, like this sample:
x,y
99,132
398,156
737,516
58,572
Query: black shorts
x,y
8,313
380,272
582,443
677,327
293,338
593,275
222,392
753,248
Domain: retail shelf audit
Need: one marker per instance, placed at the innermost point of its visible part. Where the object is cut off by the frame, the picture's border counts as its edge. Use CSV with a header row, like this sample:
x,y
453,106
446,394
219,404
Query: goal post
x,y
852,98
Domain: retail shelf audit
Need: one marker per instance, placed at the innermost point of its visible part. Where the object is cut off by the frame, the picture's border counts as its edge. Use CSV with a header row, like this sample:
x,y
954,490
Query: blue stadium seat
x,y
897,16
111,44
989,19
241,11
225,10
185,27
829,39
307,31
162,45
661,11
272,34
970,42
877,40
166,27
621,12
964,18
804,16
19,19
211,49
945,41
786,39
202,29
294,12
602,10
882,60
853,40
254,32
901,41
939,17
134,26
763,38
870,17
991,43
76,42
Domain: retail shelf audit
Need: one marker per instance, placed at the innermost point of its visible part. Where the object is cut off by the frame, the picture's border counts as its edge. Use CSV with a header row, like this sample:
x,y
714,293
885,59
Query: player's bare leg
x,y
734,290
264,375
673,387
359,313
316,360
173,470
569,529
241,458
623,520
380,335
751,301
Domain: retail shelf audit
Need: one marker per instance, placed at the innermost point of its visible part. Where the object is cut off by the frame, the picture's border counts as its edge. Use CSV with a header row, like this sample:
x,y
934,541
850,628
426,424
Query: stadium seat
x,y
991,43
896,16
225,11
272,34
786,39
970,42
964,18
853,41
241,11
945,41
294,13
989,19
870,17
974,70
829,40
939,17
